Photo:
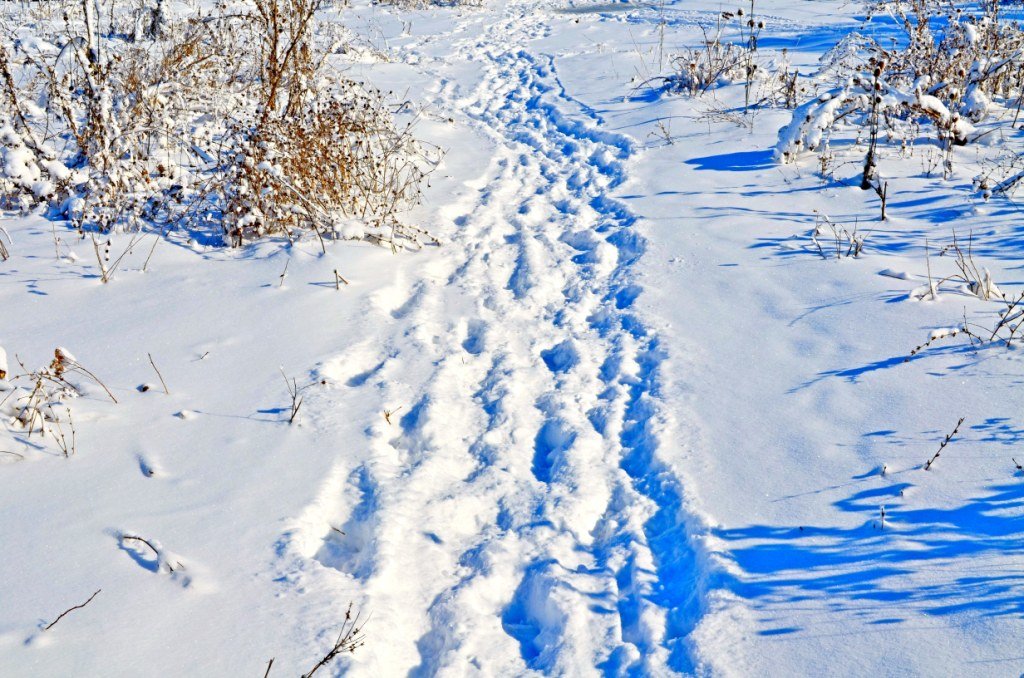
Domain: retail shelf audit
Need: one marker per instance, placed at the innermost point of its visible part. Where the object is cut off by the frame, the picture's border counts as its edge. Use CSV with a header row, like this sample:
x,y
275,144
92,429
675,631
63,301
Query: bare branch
x,y
945,442
70,609
155,369
350,638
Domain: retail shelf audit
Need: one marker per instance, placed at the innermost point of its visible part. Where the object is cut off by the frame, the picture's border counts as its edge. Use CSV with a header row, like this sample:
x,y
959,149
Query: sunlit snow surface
x,y
625,421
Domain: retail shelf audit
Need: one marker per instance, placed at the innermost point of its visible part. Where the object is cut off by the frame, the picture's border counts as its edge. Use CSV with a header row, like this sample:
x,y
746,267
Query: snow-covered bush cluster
x,y
226,121
948,68
698,69
728,55
717,61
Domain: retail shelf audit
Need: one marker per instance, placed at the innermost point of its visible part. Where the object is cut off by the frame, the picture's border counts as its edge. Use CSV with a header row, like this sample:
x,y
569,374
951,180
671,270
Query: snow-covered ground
x,y
625,421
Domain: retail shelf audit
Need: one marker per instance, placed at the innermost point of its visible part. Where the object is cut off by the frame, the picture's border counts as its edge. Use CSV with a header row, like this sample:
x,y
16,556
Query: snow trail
x,y
515,510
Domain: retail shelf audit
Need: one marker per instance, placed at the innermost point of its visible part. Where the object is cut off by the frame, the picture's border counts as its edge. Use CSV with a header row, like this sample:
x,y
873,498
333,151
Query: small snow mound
x,y
893,273
944,332
354,367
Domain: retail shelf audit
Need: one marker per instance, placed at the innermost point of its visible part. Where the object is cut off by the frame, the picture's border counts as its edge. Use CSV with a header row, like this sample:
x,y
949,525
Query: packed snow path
x,y
513,513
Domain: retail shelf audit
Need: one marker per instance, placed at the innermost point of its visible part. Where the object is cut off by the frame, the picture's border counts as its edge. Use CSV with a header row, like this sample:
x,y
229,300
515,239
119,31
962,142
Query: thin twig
x,y
928,263
284,273
70,609
945,442
104,275
5,253
293,391
78,366
350,638
61,440
155,369
56,242
156,241
156,551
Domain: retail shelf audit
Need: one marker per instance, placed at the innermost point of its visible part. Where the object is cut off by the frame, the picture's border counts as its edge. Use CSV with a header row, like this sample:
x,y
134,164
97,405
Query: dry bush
x,y
840,241
716,62
331,159
972,279
698,69
969,277
339,167
719,61
40,406
224,122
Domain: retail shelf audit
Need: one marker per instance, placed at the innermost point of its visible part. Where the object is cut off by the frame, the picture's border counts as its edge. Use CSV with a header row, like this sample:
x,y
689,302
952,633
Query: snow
x,y
625,420
944,332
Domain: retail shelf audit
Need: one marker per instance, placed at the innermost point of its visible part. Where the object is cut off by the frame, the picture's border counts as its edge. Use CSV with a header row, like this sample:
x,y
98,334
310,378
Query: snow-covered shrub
x,y
39,406
969,278
220,121
949,69
698,69
719,62
320,153
974,280
839,240
716,62
296,172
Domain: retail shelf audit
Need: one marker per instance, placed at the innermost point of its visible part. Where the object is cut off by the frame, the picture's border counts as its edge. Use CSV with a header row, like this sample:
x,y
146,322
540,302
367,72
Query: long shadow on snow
x,y
938,212
785,33
855,568
853,374
740,161
999,430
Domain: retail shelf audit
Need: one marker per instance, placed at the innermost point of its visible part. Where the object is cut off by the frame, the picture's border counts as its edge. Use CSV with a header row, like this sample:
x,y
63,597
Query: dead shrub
x,y
40,406
224,121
